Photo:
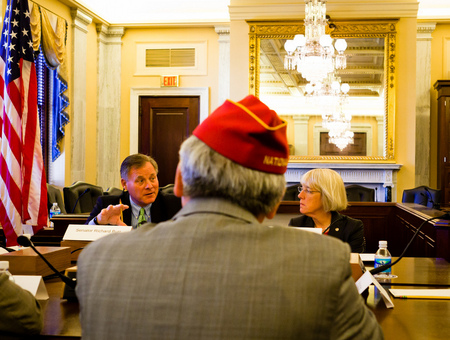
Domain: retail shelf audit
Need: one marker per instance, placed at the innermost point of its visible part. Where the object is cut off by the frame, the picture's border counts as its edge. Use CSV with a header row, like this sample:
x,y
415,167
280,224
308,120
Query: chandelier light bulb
x,y
289,46
335,86
325,41
345,88
309,88
299,40
340,45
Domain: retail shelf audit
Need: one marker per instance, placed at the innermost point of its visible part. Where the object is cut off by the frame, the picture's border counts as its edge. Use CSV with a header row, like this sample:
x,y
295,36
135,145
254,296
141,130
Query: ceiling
x,y
201,11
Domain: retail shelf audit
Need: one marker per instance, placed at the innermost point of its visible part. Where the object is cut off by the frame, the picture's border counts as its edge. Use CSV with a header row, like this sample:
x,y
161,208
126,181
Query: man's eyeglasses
x,y
305,189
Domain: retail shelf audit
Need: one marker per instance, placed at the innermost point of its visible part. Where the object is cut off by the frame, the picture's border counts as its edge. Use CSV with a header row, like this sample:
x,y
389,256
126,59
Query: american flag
x,y
22,181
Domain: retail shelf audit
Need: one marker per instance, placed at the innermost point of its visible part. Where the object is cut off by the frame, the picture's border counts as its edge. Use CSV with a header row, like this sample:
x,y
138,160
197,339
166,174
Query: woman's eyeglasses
x,y
305,189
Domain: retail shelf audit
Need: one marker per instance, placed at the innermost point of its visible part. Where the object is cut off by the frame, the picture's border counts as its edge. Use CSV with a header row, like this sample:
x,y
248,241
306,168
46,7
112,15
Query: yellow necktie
x,y
141,219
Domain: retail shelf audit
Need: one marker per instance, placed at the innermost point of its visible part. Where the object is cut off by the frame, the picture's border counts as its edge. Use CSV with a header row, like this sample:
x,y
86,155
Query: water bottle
x,y
4,269
55,210
382,257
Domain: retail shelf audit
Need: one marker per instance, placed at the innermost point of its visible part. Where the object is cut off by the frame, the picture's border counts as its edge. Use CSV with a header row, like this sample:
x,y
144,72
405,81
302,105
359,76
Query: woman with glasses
x,y
322,195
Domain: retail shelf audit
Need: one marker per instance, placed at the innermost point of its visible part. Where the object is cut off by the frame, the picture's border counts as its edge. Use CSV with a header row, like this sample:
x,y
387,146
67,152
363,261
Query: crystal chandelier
x,y
338,124
313,53
332,97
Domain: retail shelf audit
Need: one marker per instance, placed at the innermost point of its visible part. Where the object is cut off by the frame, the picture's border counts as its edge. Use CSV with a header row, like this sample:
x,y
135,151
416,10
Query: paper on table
x,y
34,284
313,230
365,281
367,257
421,293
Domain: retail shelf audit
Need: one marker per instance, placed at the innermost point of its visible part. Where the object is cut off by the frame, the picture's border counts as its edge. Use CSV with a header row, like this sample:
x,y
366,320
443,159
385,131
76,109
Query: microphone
x,y
26,242
79,196
426,199
386,266
431,198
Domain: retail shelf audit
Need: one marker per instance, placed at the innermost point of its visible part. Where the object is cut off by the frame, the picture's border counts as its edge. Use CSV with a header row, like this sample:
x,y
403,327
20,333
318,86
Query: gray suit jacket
x,y
20,312
216,273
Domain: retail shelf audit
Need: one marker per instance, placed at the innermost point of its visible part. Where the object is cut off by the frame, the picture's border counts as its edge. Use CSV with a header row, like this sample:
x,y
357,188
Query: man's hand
x,y
112,215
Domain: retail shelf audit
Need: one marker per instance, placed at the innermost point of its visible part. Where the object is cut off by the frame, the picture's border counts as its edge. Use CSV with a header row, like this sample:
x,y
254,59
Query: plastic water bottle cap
x,y
4,265
382,244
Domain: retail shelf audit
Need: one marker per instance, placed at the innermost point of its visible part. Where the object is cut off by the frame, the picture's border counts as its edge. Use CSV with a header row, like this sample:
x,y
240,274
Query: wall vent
x,y
177,58
170,57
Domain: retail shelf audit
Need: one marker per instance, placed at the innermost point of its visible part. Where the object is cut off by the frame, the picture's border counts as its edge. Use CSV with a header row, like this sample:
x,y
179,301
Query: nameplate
x,y
312,230
77,232
366,280
34,284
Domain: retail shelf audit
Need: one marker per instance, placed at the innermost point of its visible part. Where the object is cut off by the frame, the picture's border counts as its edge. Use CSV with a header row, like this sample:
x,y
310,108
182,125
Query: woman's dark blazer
x,y
345,228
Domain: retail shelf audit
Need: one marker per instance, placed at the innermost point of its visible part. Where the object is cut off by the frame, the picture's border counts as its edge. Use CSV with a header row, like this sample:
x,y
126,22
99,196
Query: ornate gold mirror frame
x,y
385,29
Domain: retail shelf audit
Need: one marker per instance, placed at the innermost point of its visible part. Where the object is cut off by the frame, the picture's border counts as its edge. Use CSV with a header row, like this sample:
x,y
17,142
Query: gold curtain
x,y
49,32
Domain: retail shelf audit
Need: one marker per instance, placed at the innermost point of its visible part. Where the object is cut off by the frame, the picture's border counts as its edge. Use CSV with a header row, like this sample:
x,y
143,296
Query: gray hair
x,y
330,185
206,173
137,160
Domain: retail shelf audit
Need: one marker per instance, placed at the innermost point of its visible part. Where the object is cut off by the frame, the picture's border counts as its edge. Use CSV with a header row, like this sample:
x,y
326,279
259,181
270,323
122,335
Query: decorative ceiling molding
x,y
338,9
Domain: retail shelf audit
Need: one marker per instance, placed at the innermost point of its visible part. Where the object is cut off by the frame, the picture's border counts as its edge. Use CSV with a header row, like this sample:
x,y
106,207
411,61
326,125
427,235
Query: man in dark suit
x,y
141,200
215,271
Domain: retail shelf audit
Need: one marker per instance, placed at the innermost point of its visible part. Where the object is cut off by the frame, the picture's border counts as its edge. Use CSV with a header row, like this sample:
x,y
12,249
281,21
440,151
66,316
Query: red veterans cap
x,y
248,133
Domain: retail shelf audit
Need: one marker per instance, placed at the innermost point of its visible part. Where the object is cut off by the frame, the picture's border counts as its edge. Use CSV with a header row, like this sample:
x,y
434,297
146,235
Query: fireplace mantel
x,y
379,176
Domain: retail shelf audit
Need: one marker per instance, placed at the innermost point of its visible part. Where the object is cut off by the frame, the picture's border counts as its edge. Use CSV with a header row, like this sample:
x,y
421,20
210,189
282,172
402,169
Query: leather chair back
x,y
423,195
291,193
54,195
359,193
86,202
113,191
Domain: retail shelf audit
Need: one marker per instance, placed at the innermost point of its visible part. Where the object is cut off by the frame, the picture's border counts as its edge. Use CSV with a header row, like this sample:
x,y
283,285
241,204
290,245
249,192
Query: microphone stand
x,y
377,270
435,206
26,242
76,202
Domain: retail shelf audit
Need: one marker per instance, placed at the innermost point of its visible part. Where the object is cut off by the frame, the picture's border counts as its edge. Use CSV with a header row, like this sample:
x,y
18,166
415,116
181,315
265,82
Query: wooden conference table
x,y
412,319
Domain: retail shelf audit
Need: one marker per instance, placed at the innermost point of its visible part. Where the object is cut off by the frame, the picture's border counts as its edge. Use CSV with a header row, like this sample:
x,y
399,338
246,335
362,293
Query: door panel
x,y
165,122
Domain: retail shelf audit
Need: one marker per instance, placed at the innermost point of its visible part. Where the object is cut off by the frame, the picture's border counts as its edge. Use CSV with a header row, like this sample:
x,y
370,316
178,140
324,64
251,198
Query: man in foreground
x,y
20,312
141,200
216,272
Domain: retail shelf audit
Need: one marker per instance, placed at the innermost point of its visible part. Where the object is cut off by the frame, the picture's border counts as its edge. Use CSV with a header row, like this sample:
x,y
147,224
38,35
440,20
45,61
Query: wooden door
x,y
164,123
443,88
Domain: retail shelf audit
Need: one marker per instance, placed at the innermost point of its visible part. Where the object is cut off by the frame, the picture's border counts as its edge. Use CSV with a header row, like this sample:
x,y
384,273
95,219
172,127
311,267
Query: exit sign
x,y
170,81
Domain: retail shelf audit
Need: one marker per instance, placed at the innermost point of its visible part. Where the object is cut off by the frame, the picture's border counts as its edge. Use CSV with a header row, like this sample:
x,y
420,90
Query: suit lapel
x,y
125,198
156,209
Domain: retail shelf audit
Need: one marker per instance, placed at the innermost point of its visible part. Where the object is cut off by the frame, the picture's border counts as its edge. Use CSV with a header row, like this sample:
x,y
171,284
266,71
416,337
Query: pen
x,y
121,211
423,297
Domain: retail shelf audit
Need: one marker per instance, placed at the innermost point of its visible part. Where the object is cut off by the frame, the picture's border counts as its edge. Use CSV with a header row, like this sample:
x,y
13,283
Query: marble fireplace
x,y
380,176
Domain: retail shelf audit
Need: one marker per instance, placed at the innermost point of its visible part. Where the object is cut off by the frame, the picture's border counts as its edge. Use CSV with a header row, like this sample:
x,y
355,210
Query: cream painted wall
x,y
239,68
405,128
91,104
439,53
129,80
